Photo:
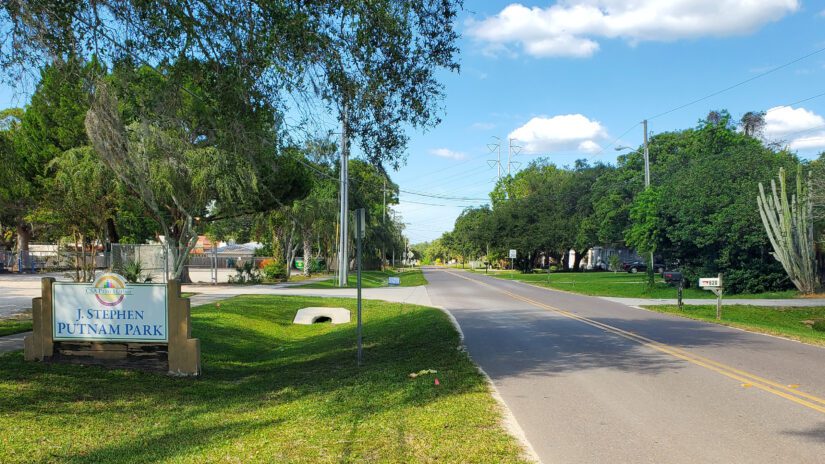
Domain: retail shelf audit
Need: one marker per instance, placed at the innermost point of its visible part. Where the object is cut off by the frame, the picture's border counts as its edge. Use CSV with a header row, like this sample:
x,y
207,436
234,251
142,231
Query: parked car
x,y
640,266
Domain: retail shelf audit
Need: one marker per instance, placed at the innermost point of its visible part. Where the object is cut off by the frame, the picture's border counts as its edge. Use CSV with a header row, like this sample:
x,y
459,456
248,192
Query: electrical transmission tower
x,y
512,150
495,148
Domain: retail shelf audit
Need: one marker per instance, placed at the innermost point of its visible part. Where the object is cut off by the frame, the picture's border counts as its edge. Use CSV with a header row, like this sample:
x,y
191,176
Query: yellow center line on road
x,y
744,377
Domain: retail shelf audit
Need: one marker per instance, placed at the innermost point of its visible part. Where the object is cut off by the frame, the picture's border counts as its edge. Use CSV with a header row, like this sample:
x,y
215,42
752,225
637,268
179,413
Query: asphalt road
x,y
591,380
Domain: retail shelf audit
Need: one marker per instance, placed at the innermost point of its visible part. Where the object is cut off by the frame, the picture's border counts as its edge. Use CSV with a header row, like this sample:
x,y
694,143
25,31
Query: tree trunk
x,y
111,232
307,253
76,260
24,235
579,258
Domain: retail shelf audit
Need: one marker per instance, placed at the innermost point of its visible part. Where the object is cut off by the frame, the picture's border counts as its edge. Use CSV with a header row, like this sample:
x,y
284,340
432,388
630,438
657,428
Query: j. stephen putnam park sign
x,y
110,310
114,323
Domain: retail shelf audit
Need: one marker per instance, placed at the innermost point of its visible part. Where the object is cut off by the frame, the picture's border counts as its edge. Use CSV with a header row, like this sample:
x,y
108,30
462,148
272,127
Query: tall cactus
x,y
790,229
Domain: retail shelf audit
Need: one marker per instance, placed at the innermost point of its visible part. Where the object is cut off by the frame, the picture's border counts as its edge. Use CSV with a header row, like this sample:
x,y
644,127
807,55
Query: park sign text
x,y
110,309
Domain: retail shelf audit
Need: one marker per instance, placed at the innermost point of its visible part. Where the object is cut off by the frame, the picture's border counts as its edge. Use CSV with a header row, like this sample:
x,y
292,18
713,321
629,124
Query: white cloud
x,y
447,153
572,27
799,128
560,133
483,126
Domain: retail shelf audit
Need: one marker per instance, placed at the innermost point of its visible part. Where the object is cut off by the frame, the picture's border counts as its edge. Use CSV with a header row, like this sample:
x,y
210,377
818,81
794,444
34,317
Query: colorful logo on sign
x,y
109,289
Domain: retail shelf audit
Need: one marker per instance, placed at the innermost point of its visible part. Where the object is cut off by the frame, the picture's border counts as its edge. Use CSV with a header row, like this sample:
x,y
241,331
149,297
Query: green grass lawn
x,y
786,322
270,392
618,284
374,279
13,326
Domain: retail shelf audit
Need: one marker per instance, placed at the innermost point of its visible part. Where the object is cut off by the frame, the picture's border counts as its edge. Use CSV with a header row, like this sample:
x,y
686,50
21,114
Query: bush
x,y
754,280
273,270
133,272
246,274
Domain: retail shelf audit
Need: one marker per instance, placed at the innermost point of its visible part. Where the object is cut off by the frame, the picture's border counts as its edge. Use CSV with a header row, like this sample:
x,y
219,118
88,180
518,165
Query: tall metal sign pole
x,y
360,229
343,255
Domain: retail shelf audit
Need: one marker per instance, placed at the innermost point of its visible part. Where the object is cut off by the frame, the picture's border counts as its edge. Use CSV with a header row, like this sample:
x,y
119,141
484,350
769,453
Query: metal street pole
x,y
359,234
343,255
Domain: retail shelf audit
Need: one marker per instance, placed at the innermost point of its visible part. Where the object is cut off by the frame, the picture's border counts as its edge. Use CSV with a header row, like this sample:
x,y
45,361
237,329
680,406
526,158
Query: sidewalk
x,y
794,302
207,294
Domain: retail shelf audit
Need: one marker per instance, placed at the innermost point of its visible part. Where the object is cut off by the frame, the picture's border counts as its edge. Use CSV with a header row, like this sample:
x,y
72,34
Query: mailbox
x,y
672,277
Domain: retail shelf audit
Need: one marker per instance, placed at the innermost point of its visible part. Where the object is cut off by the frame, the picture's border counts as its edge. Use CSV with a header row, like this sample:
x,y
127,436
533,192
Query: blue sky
x,y
590,74
572,79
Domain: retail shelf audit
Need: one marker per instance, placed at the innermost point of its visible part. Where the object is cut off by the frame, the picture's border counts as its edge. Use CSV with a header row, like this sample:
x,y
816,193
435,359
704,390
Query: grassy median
x,y
374,279
618,284
271,391
796,323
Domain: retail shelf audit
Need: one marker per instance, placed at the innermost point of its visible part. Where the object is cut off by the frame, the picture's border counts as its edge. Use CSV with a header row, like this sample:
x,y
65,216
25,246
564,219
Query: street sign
x,y
512,254
710,282
362,221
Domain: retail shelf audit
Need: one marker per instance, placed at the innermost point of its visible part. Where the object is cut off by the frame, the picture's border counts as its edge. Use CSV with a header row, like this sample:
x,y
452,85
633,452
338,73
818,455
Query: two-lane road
x,y
591,380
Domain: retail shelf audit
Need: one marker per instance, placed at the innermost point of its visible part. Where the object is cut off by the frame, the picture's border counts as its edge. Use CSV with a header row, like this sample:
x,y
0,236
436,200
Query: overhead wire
x,y
738,84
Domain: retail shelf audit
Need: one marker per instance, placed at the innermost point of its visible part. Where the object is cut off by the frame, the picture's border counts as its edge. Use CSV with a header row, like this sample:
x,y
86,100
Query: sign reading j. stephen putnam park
x,y
109,309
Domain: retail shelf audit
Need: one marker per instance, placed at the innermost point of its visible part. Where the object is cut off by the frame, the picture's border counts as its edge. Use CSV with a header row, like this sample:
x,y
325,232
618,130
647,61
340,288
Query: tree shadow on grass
x,y
158,445
255,363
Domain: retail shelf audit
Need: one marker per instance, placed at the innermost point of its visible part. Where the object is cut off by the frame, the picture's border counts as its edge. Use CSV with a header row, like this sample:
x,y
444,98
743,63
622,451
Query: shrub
x,y
133,272
754,280
274,270
246,274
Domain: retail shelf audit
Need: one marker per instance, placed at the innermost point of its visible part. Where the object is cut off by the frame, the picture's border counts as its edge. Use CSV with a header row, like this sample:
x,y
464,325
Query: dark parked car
x,y
640,266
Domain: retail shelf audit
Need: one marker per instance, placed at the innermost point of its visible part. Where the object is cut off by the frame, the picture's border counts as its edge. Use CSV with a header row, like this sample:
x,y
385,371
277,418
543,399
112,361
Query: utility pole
x,y
647,157
343,255
647,186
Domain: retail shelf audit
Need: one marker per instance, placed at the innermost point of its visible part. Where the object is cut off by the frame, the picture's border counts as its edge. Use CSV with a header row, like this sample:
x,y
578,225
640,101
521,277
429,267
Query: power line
x,y
440,197
758,76
617,139
434,204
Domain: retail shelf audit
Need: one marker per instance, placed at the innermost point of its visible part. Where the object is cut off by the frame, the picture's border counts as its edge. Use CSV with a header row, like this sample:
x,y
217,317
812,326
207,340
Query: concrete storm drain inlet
x,y
315,315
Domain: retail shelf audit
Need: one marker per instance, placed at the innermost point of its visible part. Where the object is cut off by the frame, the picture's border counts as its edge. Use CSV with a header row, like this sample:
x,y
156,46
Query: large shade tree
x,y
373,63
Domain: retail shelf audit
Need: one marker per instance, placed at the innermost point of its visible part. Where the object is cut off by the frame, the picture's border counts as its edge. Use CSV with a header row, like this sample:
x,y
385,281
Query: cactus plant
x,y
789,225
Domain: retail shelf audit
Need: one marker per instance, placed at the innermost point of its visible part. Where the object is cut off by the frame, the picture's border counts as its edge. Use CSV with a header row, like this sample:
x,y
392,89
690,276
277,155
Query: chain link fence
x,y
152,262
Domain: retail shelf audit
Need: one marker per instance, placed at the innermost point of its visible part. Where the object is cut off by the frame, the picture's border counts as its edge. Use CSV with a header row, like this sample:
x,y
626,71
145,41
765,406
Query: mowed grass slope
x,y
271,392
14,325
374,279
618,284
786,322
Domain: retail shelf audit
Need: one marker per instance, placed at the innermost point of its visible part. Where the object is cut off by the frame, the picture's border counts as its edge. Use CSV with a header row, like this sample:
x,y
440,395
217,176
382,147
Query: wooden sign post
x,y
714,284
114,323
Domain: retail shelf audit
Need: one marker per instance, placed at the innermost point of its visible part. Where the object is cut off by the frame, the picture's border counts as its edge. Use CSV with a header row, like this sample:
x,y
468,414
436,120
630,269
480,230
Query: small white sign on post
x,y
109,309
512,254
714,284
